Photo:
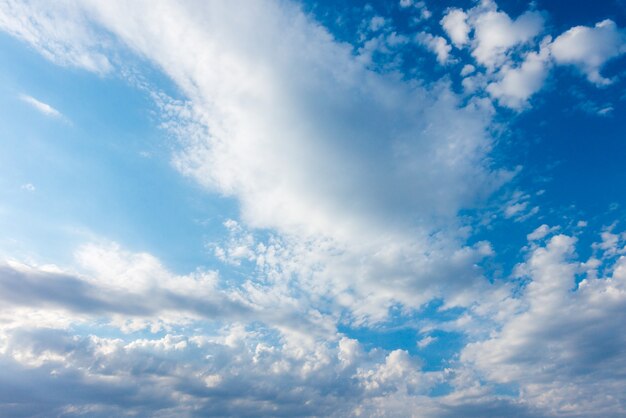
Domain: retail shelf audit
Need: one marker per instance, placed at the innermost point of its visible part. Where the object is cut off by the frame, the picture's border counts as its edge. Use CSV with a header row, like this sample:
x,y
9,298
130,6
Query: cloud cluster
x,y
515,57
125,337
562,345
556,341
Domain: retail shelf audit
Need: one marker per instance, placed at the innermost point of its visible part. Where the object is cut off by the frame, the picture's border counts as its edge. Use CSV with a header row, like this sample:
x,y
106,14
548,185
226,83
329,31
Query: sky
x,y
263,208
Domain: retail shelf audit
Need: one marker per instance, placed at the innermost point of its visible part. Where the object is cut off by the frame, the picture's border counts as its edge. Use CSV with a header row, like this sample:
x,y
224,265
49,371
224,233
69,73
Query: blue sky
x,y
283,208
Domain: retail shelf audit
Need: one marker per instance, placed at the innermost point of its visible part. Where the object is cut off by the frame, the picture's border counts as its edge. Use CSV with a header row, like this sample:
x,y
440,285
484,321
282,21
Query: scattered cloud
x,y
516,61
353,184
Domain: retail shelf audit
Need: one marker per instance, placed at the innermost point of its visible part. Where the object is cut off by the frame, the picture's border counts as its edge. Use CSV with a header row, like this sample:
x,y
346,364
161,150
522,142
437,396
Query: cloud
x,y
245,365
335,157
455,24
516,65
59,31
377,23
436,44
589,48
42,107
541,232
496,42
516,85
495,33
120,285
562,347
350,183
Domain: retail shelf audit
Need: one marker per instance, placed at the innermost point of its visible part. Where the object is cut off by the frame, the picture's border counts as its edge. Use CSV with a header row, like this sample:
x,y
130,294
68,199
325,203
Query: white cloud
x,y
541,232
426,341
495,33
563,347
589,49
377,23
42,107
455,24
515,86
467,70
436,44
496,42
516,65
226,365
319,148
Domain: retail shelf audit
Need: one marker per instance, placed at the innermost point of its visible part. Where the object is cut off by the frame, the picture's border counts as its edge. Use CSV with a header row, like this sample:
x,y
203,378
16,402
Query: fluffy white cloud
x,y
563,344
438,45
516,64
590,48
198,361
495,43
495,33
455,24
515,86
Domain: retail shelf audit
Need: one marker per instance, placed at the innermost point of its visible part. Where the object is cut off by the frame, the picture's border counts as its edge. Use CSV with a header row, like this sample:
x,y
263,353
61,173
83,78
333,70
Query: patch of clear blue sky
x,y
102,172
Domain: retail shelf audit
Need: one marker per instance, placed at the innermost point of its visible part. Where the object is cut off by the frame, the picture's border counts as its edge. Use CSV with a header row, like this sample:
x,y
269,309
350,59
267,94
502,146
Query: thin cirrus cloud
x,y
40,106
364,194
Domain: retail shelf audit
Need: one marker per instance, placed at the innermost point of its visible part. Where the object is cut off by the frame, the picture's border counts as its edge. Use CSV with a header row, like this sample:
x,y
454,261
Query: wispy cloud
x,y
42,107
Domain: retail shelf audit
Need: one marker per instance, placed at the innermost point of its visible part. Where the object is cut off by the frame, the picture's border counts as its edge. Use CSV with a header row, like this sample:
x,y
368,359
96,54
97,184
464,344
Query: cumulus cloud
x,y
516,64
515,86
589,48
496,41
495,33
437,44
248,364
563,344
455,24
